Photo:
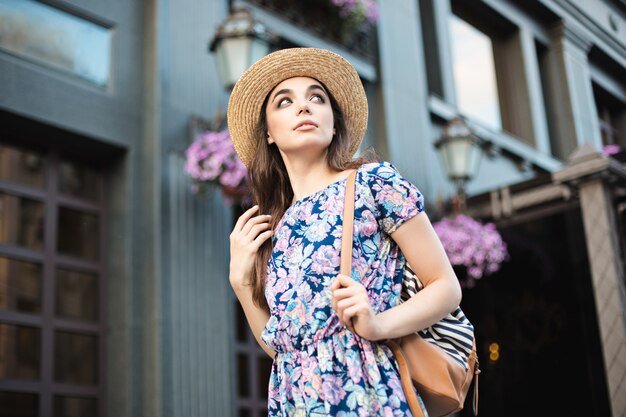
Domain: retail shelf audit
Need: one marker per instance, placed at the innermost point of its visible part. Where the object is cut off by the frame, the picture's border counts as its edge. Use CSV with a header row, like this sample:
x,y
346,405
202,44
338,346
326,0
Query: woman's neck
x,y
311,177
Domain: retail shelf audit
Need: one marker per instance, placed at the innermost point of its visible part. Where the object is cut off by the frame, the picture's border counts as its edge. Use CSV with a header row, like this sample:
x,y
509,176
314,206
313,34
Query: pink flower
x,y
363,11
332,387
611,149
282,238
478,247
325,260
211,158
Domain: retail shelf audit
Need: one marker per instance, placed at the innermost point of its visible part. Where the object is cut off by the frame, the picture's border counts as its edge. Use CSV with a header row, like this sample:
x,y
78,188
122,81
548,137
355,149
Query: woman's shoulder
x,y
379,169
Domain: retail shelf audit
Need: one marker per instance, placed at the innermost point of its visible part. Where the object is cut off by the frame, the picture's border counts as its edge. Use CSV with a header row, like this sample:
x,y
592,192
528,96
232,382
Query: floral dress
x,y
321,368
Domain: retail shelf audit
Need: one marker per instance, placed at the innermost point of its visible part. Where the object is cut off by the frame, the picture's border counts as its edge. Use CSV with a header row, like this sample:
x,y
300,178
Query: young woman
x,y
296,118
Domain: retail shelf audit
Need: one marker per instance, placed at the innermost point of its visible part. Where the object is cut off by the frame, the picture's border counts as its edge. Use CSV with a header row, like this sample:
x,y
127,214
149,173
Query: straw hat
x,y
337,74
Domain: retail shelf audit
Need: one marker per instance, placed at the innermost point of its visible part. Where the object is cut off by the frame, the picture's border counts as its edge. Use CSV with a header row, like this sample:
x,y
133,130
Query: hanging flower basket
x,y
478,248
211,160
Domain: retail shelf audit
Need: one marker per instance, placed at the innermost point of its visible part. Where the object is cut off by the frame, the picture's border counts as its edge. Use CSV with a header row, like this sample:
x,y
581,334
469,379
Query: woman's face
x,y
299,117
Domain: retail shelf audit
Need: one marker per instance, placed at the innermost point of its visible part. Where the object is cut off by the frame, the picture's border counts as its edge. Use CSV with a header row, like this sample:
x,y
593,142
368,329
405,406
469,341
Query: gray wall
x,y
113,119
196,298
169,303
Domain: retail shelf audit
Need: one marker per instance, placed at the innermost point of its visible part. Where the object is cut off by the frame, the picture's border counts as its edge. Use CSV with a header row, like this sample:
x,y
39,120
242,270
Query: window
x,y
50,285
60,40
611,115
494,71
253,370
474,73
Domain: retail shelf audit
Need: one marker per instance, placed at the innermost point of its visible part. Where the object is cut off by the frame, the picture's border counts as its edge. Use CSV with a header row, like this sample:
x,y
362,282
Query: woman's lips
x,y
306,126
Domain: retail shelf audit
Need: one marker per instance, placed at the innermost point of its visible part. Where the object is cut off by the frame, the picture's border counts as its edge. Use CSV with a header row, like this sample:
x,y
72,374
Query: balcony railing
x,y
323,19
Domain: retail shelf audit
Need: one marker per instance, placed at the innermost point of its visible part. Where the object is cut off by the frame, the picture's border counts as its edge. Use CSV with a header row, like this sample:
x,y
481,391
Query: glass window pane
x,y
21,221
264,369
474,73
20,285
21,166
19,352
78,234
76,295
75,407
78,180
242,369
241,324
49,36
75,358
18,404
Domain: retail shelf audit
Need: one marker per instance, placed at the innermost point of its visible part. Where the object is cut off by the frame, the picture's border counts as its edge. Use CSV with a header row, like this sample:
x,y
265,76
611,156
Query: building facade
x,y
114,293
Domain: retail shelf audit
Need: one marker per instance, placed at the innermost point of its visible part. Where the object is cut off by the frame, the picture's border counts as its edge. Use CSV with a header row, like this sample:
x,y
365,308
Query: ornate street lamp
x,y
460,151
238,43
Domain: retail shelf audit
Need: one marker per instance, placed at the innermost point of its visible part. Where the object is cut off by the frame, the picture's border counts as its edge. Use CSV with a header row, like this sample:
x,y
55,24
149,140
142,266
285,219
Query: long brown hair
x,y
271,188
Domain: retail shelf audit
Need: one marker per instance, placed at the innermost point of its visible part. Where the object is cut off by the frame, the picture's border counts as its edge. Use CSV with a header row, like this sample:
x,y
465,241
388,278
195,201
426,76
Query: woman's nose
x,y
304,107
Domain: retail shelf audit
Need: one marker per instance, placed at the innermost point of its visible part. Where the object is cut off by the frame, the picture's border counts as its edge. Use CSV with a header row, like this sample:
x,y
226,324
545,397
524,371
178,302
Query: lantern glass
x,y
238,43
460,152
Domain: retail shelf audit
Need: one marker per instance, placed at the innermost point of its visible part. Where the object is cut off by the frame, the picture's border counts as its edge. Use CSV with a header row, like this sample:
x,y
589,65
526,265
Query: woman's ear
x,y
269,139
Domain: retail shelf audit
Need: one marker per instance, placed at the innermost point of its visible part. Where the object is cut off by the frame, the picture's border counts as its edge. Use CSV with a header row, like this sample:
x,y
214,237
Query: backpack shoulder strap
x,y
348,226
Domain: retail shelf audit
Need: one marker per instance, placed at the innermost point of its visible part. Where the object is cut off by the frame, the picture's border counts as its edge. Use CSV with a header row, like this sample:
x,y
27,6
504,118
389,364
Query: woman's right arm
x,y
249,233
257,317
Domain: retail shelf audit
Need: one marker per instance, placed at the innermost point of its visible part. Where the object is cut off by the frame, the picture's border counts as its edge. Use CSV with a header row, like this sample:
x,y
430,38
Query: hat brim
x,y
329,68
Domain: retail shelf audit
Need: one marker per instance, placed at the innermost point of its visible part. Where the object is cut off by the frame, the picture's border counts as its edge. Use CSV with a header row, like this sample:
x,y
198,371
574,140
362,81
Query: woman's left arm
x,y
441,293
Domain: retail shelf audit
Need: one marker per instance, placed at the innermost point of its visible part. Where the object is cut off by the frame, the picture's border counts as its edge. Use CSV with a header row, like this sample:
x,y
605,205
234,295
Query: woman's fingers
x,y
261,238
257,229
349,308
244,218
347,302
342,281
341,311
263,218
351,313
343,292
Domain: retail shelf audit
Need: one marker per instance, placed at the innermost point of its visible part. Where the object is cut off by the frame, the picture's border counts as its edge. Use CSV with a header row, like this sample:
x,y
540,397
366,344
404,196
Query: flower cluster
x,y
611,149
211,158
357,13
477,247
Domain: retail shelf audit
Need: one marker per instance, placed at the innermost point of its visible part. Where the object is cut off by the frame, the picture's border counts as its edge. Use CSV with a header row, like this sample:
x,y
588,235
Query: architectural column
x,y
405,93
589,171
573,106
519,84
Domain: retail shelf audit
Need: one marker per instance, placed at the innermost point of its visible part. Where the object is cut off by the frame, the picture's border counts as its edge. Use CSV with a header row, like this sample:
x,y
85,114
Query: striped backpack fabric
x,y
454,333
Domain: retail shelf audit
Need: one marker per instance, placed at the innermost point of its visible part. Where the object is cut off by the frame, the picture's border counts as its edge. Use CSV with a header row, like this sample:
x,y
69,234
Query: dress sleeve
x,y
395,198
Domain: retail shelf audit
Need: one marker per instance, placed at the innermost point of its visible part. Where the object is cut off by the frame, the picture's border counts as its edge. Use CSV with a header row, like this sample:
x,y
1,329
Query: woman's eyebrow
x,y
316,87
288,91
283,91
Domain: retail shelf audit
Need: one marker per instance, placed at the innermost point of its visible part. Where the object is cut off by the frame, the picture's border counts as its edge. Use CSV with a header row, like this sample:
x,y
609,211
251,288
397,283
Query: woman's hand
x,y
249,233
350,301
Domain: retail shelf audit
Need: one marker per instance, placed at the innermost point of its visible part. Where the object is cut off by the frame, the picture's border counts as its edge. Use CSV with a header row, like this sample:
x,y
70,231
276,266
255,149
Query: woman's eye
x,y
317,98
283,100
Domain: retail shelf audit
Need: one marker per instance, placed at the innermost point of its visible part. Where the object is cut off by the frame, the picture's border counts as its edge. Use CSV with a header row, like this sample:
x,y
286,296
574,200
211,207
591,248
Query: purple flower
x,y
332,386
211,158
371,11
611,149
478,247
362,11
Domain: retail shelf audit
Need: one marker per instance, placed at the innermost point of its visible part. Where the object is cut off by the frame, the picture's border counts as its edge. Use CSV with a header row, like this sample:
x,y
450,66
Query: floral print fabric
x,y
321,368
